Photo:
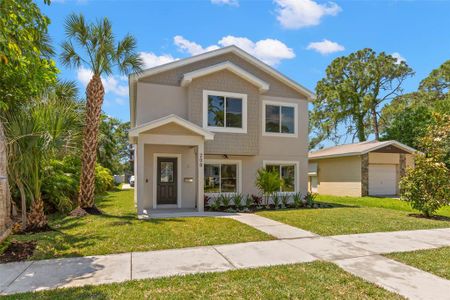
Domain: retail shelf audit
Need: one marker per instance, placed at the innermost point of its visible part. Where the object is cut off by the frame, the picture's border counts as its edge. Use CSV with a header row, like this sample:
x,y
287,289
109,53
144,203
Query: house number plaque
x,y
200,159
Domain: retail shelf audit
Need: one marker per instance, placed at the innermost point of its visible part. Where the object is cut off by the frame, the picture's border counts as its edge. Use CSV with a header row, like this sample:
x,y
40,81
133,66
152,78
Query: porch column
x,y
139,177
200,178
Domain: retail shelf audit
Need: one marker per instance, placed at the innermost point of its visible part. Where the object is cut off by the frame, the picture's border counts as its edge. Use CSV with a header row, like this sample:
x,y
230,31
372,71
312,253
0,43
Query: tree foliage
x,y
26,67
268,182
352,91
407,118
427,185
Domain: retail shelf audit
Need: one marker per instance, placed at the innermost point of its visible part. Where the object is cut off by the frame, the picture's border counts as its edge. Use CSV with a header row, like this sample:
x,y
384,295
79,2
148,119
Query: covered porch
x,y
169,165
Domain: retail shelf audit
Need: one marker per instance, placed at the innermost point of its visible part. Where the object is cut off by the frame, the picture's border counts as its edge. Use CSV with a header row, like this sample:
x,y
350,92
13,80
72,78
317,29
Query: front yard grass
x,y
436,261
352,215
118,230
316,280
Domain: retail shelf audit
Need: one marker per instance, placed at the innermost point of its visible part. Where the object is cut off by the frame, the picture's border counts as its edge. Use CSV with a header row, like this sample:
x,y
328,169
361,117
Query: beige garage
x,y
371,168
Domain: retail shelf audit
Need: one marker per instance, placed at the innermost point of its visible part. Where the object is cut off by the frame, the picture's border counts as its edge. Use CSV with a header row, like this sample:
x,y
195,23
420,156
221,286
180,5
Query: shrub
x,y
237,200
215,204
59,189
268,183
285,200
104,179
276,200
225,200
206,199
297,199
257,200
249,201
427,185
310,198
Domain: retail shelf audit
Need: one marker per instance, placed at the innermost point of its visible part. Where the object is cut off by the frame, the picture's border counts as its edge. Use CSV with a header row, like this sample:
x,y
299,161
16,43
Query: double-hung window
x,y
280,119
222,176
287,172
225,112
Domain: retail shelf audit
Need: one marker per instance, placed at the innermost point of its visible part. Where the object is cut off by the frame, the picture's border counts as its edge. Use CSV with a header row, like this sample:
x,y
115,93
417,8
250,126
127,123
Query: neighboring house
x,y
370,168
207,123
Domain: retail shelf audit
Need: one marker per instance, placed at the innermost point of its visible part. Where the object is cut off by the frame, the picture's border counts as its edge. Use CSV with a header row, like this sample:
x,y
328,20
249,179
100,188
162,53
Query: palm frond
x,y
69,57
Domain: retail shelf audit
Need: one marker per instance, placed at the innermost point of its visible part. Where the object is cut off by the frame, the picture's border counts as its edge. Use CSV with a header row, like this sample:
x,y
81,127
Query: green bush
x,y
59,189
427,185
297,199
268,183
104,179
61,182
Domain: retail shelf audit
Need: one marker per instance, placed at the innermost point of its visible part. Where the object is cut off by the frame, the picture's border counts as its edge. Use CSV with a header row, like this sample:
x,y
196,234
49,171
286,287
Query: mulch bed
x,y
439,218
81,212
18,251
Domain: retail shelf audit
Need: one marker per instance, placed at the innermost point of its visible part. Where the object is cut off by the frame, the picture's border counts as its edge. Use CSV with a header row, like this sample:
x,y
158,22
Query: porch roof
x,y
171,119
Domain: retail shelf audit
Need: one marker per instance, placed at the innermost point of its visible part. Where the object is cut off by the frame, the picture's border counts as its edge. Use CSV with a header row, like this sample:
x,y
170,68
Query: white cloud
x,y
151,59
120,101
294,14
399,58
270,51
111,84
84,75
325,47
226,2
191,47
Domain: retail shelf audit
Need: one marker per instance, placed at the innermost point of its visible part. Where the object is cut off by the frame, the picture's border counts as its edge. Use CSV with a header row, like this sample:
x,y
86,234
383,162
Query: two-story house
x,y
207,123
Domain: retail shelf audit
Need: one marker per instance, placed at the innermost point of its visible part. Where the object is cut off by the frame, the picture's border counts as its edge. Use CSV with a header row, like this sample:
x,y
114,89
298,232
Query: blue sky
x,y
298,37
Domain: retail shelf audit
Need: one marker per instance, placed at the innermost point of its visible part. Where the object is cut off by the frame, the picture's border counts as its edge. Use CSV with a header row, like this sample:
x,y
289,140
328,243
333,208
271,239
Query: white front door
x,y
382,180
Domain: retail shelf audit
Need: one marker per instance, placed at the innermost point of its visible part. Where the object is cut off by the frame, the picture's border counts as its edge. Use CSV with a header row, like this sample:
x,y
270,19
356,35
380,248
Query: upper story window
x,y
280,119
225,112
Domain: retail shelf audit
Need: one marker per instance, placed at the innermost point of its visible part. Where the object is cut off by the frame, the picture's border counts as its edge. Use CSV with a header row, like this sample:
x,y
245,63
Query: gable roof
x,y
172,118
227,65
356,149
134,77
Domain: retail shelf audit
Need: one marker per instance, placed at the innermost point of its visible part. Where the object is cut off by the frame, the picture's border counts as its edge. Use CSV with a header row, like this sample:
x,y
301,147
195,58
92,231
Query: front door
x,y
166,187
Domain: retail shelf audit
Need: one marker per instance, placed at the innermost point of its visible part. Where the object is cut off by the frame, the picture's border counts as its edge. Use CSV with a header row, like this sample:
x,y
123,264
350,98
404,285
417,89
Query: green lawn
x,y
316,280
356,215
436,261
118,230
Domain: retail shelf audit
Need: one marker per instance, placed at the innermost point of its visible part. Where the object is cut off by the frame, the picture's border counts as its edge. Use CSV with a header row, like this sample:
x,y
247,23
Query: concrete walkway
x,y
274,228
358,254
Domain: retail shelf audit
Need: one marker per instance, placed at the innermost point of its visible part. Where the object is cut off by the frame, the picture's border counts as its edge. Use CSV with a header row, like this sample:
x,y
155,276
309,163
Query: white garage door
x,y
382,180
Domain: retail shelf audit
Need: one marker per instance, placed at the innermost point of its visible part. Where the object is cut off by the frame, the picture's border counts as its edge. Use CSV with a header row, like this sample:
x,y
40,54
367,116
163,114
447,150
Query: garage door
x,y
382,180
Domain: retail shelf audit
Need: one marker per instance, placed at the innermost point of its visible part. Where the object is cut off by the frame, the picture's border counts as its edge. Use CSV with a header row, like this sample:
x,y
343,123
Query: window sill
x,y
226,129
275,134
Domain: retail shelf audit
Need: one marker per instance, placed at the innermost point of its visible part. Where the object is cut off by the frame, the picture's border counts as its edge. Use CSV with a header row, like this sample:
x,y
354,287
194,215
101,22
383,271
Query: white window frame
x,y
207,93
280,134
286,163
228,162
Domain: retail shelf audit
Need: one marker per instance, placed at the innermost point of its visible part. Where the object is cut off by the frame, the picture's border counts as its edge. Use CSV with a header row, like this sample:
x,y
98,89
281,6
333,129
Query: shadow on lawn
x,y
434,217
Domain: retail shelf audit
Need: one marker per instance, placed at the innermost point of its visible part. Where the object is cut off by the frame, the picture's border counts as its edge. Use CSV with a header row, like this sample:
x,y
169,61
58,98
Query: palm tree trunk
x,y
36,218
5,198
23,203
94,95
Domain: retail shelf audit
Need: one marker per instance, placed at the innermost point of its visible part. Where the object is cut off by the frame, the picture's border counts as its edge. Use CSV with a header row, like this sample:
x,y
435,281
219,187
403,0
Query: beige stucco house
x,y
370,168
207,123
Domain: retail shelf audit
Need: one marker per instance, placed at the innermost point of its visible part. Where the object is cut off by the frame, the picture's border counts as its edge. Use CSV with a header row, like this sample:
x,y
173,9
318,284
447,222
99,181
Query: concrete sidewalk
x,y
358,254
274,228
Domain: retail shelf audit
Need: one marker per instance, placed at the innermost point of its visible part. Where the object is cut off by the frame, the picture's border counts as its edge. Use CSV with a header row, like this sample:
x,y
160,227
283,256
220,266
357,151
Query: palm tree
x,y
97,50
43,129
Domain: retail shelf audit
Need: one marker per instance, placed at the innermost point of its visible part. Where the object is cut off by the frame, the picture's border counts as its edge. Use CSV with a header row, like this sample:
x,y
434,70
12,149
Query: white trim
x,y
155,178
280,104
314,156
188,77
229,162
206,93
287,163
133,78
134,132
